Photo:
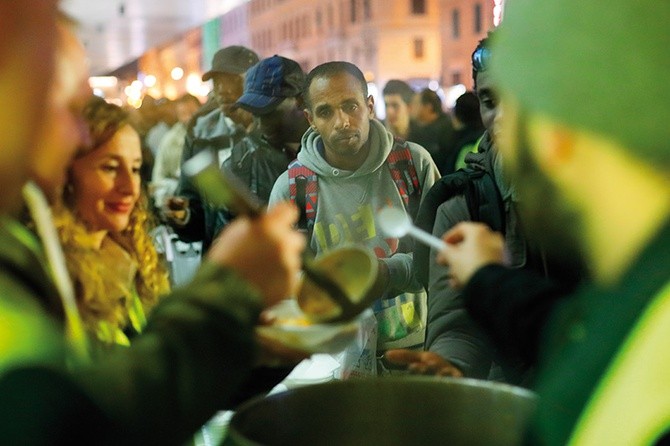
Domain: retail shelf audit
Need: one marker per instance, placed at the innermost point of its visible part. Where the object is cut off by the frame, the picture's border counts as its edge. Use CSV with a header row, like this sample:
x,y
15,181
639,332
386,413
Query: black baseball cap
x,y
231,59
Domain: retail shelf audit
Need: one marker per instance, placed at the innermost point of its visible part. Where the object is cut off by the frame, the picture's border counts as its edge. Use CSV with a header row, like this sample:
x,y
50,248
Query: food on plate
x,y
293,321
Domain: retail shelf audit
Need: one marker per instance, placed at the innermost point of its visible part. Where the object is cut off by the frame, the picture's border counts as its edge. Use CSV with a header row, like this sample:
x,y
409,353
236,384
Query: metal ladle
x,y
221,188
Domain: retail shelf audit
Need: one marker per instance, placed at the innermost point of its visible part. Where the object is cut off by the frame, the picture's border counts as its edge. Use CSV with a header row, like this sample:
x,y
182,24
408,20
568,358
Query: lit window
x,y
367,10
418,6
418,48
455,23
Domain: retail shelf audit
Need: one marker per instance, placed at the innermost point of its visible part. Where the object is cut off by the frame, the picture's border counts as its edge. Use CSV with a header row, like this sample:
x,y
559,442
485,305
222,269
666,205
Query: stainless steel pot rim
x,y
493,386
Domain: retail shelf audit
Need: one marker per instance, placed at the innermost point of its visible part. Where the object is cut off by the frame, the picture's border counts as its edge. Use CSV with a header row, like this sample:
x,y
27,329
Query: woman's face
x,y
106,181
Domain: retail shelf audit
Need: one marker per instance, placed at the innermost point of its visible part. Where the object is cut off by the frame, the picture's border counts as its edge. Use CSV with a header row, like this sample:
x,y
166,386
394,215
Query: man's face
x,y
547,216
228,88
487,94
341,114
26,51
397,110
64,129
285,124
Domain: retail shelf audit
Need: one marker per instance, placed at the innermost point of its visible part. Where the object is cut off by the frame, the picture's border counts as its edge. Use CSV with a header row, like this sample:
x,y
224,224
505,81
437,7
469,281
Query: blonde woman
x,y
103,226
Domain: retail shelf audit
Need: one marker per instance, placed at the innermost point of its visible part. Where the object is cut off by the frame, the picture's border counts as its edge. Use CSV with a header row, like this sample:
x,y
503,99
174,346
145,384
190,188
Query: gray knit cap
x,y
594,65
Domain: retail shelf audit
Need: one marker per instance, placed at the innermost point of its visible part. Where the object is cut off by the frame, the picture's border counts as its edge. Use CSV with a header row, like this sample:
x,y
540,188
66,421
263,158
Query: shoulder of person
x,y
421,157
455,207
280,190
203,121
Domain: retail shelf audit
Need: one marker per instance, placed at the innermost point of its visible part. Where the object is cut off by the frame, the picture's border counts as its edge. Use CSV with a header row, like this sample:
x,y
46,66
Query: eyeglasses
x,y
481,59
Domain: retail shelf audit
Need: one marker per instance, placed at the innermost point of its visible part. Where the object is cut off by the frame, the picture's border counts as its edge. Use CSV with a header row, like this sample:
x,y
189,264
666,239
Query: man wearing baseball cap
x,y
215,128
227,74
273,94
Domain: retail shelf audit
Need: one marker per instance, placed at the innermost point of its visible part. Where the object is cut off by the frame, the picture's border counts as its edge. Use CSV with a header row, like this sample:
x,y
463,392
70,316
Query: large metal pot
x,y
387,411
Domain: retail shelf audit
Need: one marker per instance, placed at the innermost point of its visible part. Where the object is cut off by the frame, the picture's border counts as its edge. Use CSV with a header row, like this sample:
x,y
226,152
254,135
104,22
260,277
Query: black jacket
x,y
452,332
257,164
208,131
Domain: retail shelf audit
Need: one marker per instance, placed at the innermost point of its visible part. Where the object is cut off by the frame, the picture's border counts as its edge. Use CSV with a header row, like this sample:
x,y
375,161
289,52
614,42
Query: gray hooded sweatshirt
x,y
349,200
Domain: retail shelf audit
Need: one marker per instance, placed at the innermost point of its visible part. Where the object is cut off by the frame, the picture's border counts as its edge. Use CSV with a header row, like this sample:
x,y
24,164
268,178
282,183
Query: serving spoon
x,y
396,223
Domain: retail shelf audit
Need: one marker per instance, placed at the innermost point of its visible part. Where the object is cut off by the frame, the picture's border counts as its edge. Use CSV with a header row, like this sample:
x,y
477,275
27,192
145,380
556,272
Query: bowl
x,y
291,328
353,269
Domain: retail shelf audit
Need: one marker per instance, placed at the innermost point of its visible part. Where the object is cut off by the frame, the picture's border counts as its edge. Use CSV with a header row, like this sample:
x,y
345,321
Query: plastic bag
x,y
359,359
183,259
401,321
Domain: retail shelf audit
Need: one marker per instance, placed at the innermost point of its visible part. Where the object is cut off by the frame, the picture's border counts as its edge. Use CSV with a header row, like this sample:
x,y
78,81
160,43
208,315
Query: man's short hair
x,y
401,88
429,97
331,69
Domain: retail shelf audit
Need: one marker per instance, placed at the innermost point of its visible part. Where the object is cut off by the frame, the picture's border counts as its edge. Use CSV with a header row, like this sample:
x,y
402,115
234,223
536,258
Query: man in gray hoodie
x,y
348,156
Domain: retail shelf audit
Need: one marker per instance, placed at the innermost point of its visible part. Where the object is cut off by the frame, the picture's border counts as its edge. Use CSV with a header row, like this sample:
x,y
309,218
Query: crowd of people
x,y
554,275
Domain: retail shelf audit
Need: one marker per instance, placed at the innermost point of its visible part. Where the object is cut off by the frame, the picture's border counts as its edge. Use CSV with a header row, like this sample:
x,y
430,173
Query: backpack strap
x,y
485,203
404,175
445,188
303,184
303,187
483,200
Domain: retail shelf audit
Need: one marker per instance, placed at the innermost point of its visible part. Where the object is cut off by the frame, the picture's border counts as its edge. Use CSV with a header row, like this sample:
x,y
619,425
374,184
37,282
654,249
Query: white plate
x,y
314,338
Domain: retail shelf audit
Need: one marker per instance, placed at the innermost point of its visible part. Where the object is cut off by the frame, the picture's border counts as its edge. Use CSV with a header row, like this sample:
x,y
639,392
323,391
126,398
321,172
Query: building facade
x,y
463,24
425,42
386,39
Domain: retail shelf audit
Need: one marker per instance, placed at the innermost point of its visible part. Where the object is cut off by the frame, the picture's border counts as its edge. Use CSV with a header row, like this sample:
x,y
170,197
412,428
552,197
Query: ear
x,y
552,144
371,106
308,116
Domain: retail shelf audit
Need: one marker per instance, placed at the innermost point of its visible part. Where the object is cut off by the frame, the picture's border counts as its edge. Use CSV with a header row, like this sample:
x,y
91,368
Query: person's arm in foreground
x,y
512,304
197,349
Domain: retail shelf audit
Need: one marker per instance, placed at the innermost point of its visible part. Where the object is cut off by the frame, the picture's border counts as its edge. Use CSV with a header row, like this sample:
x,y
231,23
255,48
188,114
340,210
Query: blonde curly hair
x,y
83,257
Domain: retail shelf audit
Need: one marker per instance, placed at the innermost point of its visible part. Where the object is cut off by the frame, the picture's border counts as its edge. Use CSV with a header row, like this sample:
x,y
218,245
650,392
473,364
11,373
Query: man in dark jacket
x,y
455,343
216,129
433,129
272,94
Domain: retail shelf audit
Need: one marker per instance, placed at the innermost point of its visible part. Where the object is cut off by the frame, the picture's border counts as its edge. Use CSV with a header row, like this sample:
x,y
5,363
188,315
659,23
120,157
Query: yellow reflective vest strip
x,y
631,404
41,215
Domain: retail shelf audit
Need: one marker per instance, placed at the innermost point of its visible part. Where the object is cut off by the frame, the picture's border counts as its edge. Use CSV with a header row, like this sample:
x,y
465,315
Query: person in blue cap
x,y
273,95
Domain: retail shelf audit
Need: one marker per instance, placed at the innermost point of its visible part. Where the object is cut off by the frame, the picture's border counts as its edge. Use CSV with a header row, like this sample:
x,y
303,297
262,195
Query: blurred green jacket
x,y
196,351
